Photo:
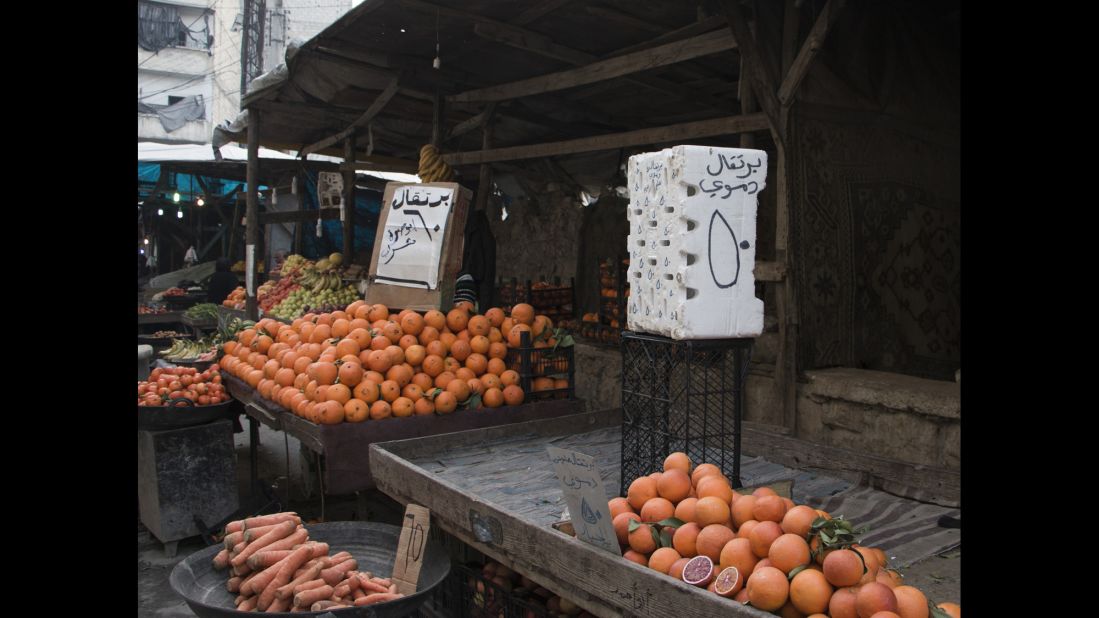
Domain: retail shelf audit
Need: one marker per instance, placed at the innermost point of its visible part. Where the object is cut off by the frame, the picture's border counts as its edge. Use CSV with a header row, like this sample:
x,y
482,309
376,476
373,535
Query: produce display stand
x,y
344,446
495,490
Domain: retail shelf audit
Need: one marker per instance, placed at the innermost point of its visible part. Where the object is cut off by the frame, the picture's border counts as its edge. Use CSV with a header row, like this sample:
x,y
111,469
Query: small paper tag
x,y
249,263
587,500
410,548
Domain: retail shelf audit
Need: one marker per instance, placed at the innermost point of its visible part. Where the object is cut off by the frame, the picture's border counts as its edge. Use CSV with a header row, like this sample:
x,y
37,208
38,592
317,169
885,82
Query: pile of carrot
x,y
274,567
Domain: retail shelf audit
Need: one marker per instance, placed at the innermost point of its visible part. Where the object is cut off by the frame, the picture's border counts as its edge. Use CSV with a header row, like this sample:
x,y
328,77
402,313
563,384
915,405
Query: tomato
x,y
140,402
216,399
175,395
155,373
185,380
189,394
216,379
152,400
175,385
180,403
215,367
206,375
162,382
203,400
163,391
201,388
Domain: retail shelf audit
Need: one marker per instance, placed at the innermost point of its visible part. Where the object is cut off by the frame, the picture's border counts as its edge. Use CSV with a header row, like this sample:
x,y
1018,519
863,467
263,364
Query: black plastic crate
x,y
532,363
681,396
467,593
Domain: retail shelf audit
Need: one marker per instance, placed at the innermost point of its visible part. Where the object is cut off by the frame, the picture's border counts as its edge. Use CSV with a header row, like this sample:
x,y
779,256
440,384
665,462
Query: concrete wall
x,y
539,237
195,132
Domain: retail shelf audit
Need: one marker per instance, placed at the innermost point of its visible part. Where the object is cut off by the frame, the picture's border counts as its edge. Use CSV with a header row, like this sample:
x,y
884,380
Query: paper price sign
x,y
412,244
586,498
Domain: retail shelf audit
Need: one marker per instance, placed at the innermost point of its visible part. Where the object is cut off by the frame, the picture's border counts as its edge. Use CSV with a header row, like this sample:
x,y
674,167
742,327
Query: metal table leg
x,y
253,454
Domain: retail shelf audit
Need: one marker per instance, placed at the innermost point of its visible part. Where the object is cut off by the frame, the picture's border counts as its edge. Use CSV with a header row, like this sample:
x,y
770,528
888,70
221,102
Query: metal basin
x,y
373,545
158,418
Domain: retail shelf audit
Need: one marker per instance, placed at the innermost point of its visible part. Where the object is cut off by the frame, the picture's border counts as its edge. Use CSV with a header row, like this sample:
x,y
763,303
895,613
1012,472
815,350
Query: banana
x,y
427,148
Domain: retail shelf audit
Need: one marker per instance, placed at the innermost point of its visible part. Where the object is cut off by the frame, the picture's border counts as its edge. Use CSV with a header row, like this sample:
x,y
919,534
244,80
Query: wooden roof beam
x,y
659,135
599,71
828,16
372,111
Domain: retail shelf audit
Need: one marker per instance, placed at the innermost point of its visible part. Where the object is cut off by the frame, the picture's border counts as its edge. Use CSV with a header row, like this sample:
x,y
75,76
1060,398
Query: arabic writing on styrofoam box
x,y
582,487
412,243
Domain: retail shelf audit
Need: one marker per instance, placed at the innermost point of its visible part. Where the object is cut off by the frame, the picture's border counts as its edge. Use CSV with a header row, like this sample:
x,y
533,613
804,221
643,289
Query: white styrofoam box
x,y
692,242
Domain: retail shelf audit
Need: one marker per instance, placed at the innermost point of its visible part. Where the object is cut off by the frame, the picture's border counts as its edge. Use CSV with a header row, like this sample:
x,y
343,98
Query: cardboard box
x,y
406,210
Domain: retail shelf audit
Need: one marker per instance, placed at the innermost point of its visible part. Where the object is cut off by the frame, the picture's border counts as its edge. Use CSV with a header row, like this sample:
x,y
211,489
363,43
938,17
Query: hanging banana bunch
x,y
432,166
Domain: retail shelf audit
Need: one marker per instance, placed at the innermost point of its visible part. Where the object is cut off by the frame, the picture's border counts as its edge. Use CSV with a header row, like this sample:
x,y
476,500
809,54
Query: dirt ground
x,y
939,577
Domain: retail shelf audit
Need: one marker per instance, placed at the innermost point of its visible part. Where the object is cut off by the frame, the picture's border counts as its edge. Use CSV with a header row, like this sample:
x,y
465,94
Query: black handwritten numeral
x,y
710,253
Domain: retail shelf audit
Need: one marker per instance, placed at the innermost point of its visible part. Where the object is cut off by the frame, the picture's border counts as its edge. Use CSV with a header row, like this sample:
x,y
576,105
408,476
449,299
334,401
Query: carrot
x,y
233,585
377,597
247,605
385,581
264,578
342,590
234,526
311,574
357,594
221,560
231,540
334,574
339,557
252,534
239,547
289,565
248,578
369,587
267,520
240,599
353,580
264,559
279,533
322,605
300,534
309,585
306,598
242,570
278,605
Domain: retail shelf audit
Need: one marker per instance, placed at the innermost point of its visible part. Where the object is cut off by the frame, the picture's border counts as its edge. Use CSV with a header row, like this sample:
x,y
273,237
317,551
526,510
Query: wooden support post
x,y
484,182
252,226
762,82
349,200
785,301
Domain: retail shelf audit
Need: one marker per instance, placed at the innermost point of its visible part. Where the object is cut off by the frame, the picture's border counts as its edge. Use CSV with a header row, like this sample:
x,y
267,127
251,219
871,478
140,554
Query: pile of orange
x,y
365,363
766,538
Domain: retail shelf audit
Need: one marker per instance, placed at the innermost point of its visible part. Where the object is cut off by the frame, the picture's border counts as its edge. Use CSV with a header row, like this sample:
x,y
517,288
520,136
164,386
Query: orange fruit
x,y
702,470
407,341
546,384
396,354
874,597
515,338
617,506
676,570
377,312
367,390
633,556
428,335
460,390
480,344
457,319
476,386
497,349
621,524
742,510
495,316
798,520
445,402
391,390
685,510
663,559
496,366
444,378
477,363
413,323
356,411
728,582
412,392
810,591
911,603
685,538
769,508
401,374
478,325
379,361
329,412
641,539
738,553
886,615
869,556
712,539
402,406
768,589
433,365
679,461
842,603
674,484
711,510
716,486
789,551
746,528
424,381
656,509
435,319
338,393
437,348
513,395
523,314
509,377
888,577
423,407
461,350
762,536
493,397
541,324
842,568
641,490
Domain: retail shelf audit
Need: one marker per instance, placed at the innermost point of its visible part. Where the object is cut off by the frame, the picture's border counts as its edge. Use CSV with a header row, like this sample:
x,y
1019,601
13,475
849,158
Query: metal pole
x,y
349,200
252,215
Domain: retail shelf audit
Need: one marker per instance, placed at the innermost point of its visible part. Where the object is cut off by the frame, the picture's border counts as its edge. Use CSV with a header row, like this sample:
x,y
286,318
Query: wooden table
x,y
345,447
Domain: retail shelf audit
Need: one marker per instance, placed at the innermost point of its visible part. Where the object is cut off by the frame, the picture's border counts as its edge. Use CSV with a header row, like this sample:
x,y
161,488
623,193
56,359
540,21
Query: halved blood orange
x,y
699,571
728,582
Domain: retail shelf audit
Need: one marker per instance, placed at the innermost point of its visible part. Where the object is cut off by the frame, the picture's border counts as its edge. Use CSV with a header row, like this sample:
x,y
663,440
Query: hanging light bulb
x,y
175,197
160,211
200,202
146,241
179,213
